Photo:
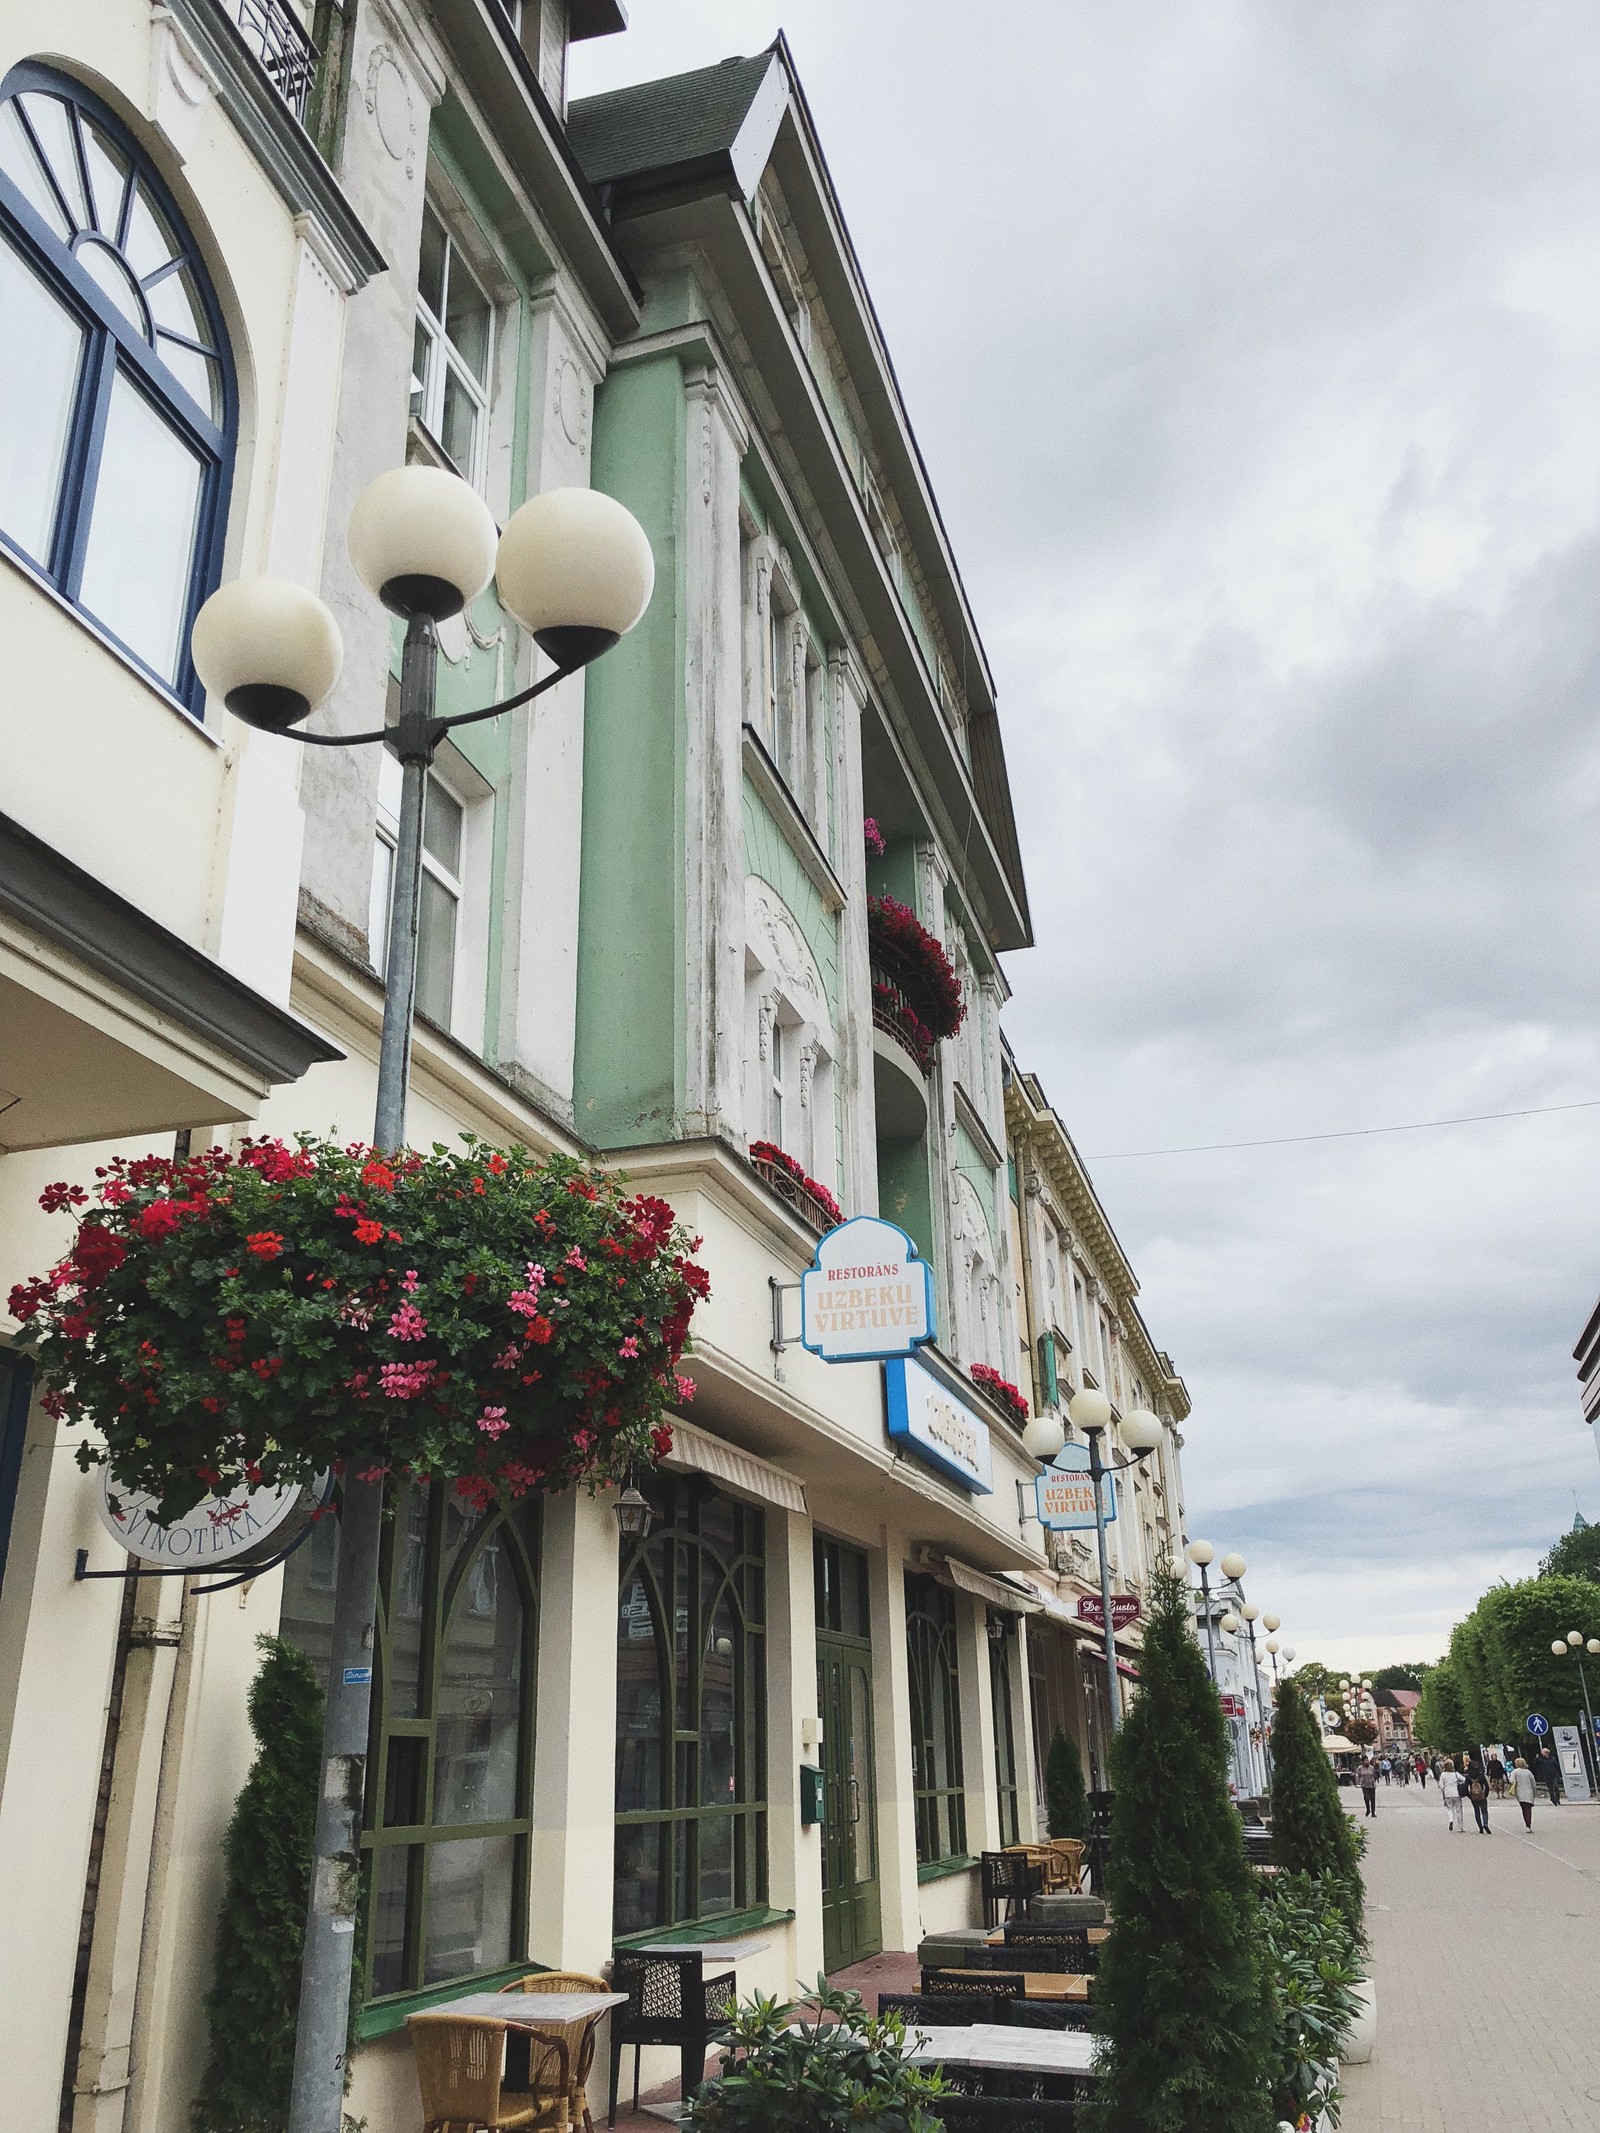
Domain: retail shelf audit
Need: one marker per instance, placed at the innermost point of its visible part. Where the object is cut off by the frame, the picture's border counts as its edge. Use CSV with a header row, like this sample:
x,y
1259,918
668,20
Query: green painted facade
x,y
628,1073
769,855
979,1173
905,1194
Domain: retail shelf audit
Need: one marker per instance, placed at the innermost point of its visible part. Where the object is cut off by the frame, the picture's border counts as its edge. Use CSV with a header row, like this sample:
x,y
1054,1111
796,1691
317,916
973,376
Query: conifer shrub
x,y
1065,1799
254,1997
1183,1998
1311,1833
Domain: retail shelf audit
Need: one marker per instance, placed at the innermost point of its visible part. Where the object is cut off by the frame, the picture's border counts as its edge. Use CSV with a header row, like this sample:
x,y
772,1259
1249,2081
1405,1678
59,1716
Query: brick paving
x,y
1486,1956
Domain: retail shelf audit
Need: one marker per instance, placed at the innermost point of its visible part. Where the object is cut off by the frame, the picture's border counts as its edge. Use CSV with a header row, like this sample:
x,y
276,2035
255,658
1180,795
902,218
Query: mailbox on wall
x,y
811,1796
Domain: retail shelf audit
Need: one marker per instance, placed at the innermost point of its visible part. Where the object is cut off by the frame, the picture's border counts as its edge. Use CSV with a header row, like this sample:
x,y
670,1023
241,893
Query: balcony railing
x,y
278,38
801,1193
893,1013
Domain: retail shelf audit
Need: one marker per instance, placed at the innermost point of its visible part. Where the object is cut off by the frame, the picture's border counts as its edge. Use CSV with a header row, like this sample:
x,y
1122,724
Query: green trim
x,y
939,1869
383,2017
729,1926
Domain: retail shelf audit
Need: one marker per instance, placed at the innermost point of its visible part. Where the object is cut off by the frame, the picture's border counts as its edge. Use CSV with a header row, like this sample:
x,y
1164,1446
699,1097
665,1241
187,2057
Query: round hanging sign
x,y
220,1532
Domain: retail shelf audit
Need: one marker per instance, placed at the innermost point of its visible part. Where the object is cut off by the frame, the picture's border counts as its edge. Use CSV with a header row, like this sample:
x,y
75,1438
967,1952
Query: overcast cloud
x,y
1253,349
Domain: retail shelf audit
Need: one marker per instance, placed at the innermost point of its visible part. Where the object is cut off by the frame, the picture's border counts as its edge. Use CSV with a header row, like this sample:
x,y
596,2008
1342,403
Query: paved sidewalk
x,y
1486,1955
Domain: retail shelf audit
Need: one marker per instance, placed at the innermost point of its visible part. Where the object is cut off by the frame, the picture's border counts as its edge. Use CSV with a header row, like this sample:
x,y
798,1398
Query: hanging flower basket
x,y
906,955
1001,1389
785,1176
504,1323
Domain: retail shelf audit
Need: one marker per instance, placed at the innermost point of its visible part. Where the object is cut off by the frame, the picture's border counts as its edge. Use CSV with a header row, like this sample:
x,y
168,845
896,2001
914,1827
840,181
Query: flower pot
x,y
1363,2038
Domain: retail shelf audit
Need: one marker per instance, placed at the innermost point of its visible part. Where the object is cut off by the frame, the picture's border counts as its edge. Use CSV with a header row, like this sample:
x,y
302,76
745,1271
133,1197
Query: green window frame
x,y
937,1783
691,1806
448,1818
1002,1654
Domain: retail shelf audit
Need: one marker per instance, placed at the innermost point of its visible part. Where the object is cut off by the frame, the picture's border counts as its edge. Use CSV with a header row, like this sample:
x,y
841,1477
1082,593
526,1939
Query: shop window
x,y
116,390
453,338
1002,1659
936,1773
449,1797
691,1838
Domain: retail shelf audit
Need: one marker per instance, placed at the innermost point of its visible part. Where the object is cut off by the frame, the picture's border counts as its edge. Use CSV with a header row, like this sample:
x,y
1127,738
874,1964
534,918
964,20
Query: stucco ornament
x,y
571,396
390,107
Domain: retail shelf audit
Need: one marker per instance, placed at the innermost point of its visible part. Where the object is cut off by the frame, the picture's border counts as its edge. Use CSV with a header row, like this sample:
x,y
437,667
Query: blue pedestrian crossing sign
x,y
1538,1724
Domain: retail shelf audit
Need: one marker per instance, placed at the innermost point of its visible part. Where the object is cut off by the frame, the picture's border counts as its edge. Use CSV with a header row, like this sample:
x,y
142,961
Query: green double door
x,y
852,1926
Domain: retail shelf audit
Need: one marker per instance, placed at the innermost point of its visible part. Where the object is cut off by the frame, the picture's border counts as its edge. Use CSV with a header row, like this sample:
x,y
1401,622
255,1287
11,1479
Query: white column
x,y
713,828
977,1725
847,692
1030,1781
574,1764
794,1855
891,1718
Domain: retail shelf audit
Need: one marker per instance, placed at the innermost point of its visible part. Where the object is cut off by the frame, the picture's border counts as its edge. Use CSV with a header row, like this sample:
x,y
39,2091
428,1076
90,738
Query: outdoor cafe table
x,y
1036,1984
989,2044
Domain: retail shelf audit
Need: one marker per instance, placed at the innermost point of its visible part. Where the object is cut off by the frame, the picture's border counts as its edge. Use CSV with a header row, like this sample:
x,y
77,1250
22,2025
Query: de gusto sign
x,y
1124,1609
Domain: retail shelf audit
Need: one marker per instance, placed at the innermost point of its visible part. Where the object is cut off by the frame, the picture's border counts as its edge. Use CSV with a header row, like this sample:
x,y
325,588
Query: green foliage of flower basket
x,y
255,1964
502,1322
844,2071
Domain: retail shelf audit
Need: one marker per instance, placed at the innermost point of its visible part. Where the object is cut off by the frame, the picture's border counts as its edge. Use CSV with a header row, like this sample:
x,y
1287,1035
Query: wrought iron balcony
x,y
893,1013
279,39
813,1203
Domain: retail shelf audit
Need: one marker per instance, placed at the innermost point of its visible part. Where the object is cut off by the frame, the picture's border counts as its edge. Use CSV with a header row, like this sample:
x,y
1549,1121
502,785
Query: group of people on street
x,y
1473,1782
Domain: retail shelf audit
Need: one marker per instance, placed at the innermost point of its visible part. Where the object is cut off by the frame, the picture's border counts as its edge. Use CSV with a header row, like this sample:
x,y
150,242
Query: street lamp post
x,y
1141,1432
1200,1554
1573,1642
1251,1615
575,568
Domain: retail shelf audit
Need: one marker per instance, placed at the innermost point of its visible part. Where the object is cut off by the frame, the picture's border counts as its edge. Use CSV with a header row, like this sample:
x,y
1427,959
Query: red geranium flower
x,y
265,1243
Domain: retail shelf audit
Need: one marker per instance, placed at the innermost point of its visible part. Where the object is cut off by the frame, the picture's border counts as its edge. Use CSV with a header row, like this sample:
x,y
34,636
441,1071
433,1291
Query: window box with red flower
x,y
497,1322
1001,1390
916,995
811,1201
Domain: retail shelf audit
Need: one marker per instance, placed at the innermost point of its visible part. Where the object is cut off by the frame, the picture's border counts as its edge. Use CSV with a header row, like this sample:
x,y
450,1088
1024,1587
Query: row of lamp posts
x,y
1233,1568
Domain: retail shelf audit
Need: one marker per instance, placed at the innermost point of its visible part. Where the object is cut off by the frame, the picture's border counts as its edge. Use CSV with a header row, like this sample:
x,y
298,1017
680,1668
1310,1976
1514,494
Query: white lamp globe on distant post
x,y
1043,1436
1272,1645
423,540
269,649
1229,1624
576,570
1250,1611
1090,1411
1271,1623
1574,1636
1559,1647
1593,1645
1142,1432
1200,1553
1233,1566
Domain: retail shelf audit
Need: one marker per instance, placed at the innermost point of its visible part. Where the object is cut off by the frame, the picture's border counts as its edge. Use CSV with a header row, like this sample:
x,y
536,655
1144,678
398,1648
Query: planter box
x,y
1362,2041
1068,1910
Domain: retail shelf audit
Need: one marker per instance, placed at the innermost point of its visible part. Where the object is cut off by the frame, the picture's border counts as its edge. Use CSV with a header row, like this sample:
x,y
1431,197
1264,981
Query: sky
x,y
1253,351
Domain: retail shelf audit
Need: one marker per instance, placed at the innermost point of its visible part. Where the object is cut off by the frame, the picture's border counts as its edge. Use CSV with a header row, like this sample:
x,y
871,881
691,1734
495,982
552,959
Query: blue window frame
x,y
117,389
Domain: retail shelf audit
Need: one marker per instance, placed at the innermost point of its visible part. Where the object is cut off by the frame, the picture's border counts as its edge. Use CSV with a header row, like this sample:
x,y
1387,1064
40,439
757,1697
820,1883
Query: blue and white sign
x,y
1538,1724
1064,1493
866,1295
932,1421
1569,1753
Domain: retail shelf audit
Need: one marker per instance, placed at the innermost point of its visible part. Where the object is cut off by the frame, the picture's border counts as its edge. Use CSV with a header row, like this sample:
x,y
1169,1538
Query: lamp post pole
x,y
576,570
1108,1625
1211,1635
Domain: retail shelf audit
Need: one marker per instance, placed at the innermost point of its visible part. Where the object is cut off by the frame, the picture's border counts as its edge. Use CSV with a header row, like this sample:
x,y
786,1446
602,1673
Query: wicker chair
x,y
945,2011
1068,1873
577,2036
670,2001
460,2071
1007,1878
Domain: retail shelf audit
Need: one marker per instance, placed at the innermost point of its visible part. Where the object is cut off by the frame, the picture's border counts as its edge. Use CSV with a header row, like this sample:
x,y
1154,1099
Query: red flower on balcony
x,y
769,1155
1001,1389
909,954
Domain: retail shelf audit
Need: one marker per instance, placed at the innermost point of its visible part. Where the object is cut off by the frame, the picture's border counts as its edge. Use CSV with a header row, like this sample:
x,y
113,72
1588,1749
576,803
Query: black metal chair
x,y
1001,1984
1047,2014
946,2010
1007,1878
1060,1951
1098,1842
670,2001
1003,2114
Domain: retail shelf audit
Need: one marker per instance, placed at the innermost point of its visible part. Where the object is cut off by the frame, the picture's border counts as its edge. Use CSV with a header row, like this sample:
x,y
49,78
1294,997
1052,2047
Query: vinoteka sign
x,y
867,1295
217,1531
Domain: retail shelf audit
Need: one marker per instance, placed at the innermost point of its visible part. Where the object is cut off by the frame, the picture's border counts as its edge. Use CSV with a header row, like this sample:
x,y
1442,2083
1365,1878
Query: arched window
x,y
116,388
691,1712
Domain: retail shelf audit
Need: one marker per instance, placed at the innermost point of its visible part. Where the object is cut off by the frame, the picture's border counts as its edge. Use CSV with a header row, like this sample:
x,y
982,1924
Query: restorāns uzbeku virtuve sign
x,y
866,1294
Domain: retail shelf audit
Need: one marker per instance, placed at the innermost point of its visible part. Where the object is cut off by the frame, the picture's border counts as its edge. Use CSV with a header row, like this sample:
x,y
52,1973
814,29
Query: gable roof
x,y
657,135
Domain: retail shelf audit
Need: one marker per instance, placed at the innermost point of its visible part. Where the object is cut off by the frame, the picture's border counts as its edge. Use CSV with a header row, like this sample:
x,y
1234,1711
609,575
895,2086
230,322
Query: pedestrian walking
x,y
1386,1767
1497,1777
1478,1794
1450,1791
1367,1779
1422,1772
1524,1790
1548,1771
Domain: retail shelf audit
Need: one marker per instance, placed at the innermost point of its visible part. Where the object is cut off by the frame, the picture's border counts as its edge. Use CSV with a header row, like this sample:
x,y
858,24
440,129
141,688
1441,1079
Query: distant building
x,y
1587,1357
1396,1715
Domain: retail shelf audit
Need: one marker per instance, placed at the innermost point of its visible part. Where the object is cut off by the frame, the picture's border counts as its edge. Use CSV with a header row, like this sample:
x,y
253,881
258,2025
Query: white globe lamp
x,y
423,541
576,569
1043,1436
1090,1411
1198,1552
1233,1566
269,649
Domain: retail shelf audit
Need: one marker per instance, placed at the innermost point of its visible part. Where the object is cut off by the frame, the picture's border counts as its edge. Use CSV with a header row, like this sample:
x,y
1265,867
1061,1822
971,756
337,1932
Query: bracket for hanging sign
x,y
781,1289
245,1570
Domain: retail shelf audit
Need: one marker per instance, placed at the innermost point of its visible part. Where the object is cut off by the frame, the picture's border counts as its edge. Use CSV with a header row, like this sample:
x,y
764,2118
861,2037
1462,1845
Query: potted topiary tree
x,y
844,2071
1312,1834
1066,1802
1183,1998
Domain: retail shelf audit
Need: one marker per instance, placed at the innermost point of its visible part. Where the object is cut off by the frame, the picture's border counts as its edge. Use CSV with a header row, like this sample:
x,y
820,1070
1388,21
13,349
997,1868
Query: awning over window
x,y
695,1451
1020,1597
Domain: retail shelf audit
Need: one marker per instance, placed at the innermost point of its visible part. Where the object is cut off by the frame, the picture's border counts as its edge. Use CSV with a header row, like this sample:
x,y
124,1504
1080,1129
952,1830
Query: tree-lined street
x,y
1484,1953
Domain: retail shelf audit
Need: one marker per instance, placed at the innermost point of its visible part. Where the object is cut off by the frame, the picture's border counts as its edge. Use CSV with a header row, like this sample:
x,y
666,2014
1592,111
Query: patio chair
x,y
998,1984
460,2071
670,2001
1009,1879
1069,1872
944,2011
1047,2014
579,2037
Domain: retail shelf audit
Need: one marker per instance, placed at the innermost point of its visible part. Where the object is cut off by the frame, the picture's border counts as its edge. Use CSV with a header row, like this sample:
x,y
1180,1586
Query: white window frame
x,y
446,362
